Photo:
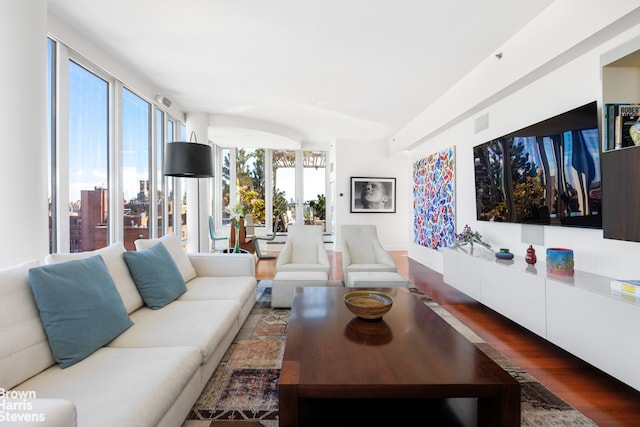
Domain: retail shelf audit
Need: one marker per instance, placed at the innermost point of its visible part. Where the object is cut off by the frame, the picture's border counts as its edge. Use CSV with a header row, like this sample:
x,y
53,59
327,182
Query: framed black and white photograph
x,y
373,195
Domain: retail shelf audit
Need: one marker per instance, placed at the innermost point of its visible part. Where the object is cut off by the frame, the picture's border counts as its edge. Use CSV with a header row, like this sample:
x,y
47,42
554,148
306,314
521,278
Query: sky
x,y
314,182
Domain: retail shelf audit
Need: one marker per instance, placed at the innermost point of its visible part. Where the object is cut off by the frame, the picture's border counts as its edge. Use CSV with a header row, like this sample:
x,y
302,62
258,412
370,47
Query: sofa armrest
x,y
223,265
38,412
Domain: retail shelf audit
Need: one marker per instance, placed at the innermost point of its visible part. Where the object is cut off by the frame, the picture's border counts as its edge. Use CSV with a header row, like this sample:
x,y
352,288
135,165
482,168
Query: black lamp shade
x,y
188,159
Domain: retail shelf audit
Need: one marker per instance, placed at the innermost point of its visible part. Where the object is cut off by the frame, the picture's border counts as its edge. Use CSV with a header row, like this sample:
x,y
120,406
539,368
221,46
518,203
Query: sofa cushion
x,y
173,245
201,324
24,349
156,275
80,307
112,256
236,288
122,386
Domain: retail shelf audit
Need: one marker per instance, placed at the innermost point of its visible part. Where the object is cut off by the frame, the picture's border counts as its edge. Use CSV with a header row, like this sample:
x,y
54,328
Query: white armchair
x,y
362,251
304,250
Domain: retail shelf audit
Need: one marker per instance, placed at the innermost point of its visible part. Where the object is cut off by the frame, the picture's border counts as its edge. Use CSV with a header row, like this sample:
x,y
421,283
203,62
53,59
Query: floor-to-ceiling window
x,y
284,188
51,137
314,184
88,159
136,140
160,214
225,184
106,146
293,191
184,221
171,197
250,188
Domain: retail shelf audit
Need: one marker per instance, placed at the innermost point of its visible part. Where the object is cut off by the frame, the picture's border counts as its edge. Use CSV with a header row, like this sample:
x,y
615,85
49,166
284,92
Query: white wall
x,y
63,32
23,120
370,158
566,75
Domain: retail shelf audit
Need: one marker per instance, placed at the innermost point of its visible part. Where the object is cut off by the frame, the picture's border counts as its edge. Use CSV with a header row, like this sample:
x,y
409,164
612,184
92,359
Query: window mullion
x,y
116,204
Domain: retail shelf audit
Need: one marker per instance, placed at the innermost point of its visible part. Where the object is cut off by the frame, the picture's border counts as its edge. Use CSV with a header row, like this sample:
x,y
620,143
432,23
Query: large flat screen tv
x,y
547,173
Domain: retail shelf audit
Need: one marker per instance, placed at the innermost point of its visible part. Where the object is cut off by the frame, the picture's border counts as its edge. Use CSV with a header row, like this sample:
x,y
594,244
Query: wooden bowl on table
x,y
368,305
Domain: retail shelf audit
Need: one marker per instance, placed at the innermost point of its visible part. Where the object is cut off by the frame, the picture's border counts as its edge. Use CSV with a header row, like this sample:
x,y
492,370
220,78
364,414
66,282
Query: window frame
x,y
59,146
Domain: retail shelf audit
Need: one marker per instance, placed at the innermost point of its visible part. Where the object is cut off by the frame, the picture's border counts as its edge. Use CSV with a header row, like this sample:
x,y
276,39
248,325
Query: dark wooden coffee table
x,y
411,360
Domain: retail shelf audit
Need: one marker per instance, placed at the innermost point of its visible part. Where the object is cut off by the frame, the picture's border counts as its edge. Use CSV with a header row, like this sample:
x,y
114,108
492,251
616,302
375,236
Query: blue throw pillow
x,y
80,307
156,275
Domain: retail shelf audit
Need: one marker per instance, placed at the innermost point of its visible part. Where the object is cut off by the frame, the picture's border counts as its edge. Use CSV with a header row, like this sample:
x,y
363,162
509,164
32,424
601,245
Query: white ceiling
x,y
315,71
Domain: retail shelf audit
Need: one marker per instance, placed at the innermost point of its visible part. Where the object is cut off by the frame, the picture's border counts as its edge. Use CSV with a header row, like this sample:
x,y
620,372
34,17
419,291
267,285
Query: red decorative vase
x,y
531,256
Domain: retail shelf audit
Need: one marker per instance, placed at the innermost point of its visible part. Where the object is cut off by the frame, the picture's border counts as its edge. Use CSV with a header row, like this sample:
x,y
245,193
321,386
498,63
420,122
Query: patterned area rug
x,y
244,386
243,390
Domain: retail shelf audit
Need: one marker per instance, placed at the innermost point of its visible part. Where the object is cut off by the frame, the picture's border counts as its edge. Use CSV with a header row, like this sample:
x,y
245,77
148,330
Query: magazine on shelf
x,y
618,119
609,126
628,117
628,286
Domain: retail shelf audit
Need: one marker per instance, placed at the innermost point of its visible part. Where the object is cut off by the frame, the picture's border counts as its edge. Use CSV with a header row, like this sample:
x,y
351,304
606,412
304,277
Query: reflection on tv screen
x,y
548,173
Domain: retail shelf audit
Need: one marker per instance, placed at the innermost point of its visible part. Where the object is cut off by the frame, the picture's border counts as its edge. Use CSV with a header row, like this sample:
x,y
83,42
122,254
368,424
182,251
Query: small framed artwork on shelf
x,y
373,195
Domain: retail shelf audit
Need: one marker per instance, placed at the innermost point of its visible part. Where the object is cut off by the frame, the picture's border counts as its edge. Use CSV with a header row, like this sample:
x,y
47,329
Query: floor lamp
x,y
189,160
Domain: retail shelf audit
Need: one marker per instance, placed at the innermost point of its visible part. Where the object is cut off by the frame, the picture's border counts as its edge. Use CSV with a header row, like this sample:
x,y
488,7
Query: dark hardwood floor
x,y
605,400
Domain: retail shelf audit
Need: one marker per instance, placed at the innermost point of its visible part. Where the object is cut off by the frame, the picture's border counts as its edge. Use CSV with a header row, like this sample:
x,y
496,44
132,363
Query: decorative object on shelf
x,y
504,254
560,261
368,305
628,286
236,248
531,257
470,237
235,251
238,212
634,132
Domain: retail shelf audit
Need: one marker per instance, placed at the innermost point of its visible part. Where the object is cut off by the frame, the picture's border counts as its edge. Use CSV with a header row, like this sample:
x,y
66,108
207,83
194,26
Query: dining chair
x,y
212,233
256,246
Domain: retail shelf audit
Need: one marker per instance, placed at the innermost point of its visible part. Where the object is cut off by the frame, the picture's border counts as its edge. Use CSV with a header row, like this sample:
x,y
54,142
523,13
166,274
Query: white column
x,y
23,120
198,190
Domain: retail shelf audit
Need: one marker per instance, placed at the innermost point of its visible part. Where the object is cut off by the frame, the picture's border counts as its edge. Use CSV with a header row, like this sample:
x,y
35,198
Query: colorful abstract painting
x,y
434,200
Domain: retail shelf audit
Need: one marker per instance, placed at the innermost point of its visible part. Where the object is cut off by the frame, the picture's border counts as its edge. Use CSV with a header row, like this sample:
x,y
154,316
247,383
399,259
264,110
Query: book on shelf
x,y
609,126
628,286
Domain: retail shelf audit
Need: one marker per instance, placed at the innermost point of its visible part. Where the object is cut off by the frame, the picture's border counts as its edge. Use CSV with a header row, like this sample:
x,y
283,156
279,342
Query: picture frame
x,y
373,195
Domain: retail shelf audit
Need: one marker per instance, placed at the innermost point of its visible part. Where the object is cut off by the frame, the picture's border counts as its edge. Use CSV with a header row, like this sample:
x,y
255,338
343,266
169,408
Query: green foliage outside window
x,y
319,207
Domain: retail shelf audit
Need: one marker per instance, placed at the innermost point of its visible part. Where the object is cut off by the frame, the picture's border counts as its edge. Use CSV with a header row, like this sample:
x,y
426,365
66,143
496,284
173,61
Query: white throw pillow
x,y
112,256
173,245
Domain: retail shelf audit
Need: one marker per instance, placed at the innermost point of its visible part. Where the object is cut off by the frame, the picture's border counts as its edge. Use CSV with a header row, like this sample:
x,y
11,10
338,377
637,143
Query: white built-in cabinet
x,y
580,314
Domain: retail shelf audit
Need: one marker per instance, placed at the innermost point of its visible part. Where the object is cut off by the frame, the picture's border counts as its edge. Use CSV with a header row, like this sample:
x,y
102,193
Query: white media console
x,y
580,314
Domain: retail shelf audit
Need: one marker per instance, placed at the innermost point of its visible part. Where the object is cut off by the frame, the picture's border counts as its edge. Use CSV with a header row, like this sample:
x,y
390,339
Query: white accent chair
x,y
362,251
304,250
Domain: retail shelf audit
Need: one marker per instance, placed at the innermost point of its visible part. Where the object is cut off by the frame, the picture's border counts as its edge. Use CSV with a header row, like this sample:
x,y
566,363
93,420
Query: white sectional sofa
x,y
151,373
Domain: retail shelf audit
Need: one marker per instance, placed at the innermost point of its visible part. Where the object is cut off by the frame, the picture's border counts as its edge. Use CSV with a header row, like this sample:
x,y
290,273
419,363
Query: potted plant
x,y
319,207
